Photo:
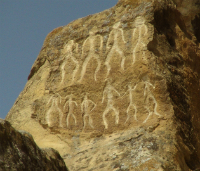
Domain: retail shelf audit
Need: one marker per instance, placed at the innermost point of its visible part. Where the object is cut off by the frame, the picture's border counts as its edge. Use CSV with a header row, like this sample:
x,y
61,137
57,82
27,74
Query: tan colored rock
x,y
118,90
18,151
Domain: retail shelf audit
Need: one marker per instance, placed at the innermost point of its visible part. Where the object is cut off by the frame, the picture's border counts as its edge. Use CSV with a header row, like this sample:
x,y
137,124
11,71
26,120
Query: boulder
x,y
18,151
119,90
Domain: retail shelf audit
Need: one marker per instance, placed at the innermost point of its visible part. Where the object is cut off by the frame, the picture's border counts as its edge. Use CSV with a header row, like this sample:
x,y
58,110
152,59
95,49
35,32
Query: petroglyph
x,y
110,104
113,46
142,30
54,108
149,95
68,52
85,108
93,44
131,103
70,104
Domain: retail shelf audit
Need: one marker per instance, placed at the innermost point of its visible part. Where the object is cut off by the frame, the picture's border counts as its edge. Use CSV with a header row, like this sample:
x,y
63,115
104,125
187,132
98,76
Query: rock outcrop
x,y
119,90
18,151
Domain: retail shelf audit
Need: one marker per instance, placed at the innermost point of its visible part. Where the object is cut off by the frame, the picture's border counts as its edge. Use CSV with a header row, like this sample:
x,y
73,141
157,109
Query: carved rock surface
x,y
18,151
119,90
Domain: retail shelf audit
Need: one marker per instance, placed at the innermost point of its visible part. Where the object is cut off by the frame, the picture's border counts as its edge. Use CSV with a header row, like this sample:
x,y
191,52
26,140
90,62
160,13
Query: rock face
x,y
18,151
119,90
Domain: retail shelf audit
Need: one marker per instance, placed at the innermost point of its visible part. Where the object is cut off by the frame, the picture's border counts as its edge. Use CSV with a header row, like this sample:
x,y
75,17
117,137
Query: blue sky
x,y
24,25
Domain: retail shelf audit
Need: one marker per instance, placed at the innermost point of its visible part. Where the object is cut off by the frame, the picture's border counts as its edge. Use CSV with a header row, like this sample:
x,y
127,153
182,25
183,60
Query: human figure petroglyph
x,y
86,110
149,95
70,104
69,55
131,103
92,48
142,30
54,108
110,104
112,46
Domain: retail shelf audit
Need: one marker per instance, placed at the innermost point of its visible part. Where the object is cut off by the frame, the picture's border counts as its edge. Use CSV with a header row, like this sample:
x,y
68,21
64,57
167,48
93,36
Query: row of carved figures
x,y
95,42
87,105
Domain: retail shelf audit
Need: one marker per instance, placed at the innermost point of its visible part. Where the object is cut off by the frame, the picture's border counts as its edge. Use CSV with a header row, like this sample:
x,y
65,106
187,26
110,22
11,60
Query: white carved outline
x,y
70,103
92,54
110,104
131,104
85,109
149,95
54,106
69,55
140,24
116,33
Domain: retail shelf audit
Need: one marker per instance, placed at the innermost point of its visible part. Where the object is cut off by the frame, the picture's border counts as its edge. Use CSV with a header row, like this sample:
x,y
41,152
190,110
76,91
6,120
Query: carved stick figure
x,y
70,103
86,110
148,95
94,52
142,29
54,108
68,51
116,36
110,105
131,104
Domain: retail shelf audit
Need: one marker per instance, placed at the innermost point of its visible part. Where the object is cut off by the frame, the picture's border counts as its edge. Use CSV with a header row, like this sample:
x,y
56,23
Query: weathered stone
x,y
119,90
18,151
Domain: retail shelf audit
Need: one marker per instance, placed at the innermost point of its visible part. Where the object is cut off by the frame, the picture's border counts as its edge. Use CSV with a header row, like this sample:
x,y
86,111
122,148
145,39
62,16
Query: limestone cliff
x,y
119,90
18,151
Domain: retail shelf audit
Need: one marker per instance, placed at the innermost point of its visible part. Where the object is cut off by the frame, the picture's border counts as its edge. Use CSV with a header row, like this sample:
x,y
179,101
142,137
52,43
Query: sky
x,y
24,25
